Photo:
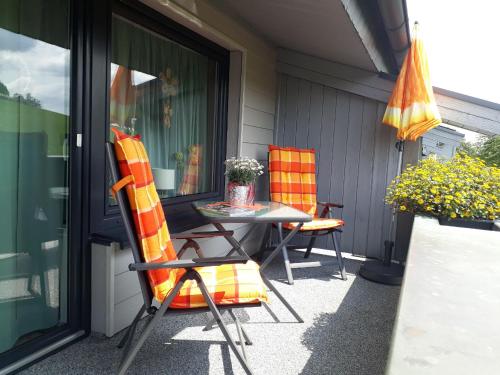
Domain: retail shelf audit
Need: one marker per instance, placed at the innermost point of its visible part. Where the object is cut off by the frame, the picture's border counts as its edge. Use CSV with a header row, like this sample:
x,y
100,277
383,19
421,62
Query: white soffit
x,y
320,28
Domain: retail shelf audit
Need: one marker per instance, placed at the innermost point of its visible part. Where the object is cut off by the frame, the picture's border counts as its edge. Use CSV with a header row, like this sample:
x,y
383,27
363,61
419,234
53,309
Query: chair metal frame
x,y
154,313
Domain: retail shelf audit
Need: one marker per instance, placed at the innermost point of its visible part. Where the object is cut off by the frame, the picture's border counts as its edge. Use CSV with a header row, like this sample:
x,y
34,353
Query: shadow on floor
x,y
355,339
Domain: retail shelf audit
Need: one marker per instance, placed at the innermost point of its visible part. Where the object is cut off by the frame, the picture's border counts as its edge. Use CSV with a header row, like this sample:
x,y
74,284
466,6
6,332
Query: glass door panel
x,y
34,164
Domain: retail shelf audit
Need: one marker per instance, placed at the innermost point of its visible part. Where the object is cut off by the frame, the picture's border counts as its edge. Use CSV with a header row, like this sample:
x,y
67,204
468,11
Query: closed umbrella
x,y
412,110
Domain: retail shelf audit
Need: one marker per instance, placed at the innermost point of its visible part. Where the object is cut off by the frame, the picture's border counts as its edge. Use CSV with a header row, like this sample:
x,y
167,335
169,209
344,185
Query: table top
x,y
271,212
447,320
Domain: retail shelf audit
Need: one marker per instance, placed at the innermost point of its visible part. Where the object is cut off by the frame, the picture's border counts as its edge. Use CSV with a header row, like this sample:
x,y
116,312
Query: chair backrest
x,y
293,177
151,231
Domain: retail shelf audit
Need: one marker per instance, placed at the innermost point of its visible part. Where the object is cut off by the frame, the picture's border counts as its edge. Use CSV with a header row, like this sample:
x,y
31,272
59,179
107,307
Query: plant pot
x,y
240,195
467,223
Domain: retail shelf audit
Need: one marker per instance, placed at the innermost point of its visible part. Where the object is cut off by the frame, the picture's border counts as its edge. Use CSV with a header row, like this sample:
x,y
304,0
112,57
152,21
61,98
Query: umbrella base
x,y
378,272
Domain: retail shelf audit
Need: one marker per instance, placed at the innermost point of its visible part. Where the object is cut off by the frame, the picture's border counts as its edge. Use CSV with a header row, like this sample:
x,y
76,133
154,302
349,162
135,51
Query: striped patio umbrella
x,y
412,108
122,95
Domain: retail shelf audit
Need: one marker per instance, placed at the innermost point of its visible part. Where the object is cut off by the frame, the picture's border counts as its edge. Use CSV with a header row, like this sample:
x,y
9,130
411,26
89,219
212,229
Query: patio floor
x,y
347,330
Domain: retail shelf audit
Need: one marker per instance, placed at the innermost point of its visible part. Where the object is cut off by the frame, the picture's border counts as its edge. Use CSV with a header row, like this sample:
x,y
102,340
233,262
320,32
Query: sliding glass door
x,y
34,169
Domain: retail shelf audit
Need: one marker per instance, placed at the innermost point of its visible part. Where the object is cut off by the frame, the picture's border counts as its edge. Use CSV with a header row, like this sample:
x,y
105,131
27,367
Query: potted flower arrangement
x,y
241,174
462,191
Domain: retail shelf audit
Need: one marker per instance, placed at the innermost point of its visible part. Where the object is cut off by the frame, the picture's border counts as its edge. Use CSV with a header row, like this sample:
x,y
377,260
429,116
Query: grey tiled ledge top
x,y
448,319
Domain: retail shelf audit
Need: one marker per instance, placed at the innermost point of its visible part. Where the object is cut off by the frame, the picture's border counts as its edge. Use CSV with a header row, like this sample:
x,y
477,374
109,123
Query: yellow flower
x,y
460,187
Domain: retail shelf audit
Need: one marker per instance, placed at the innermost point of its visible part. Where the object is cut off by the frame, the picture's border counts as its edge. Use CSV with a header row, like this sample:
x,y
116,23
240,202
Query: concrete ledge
x,y
449,309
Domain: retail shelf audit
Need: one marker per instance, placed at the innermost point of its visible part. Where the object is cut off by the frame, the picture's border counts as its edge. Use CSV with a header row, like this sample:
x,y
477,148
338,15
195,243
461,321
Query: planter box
x,y
465,223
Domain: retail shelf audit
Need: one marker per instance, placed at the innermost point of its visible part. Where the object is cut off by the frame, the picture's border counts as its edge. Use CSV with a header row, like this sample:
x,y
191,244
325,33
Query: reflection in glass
x,y
164,92
34,127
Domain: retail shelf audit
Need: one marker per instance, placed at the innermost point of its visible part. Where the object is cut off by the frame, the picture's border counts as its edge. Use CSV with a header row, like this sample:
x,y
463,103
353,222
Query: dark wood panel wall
x,y
355,156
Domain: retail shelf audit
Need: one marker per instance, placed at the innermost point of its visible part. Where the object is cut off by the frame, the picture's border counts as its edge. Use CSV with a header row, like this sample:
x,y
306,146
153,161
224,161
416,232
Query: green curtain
x,y
143,51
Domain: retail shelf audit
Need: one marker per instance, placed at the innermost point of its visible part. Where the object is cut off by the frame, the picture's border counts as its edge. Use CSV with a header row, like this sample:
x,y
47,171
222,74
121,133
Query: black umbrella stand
x,y
385,271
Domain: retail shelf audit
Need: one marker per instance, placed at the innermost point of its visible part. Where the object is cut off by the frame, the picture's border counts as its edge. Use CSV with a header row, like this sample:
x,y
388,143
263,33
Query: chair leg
x,y
238,323
288,269
130,353
281,298
339,257
218,317
131,329
309,247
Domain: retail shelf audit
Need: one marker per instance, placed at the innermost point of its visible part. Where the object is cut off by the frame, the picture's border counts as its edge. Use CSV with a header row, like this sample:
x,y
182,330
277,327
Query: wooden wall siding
x,y
456,109
355,156
258,119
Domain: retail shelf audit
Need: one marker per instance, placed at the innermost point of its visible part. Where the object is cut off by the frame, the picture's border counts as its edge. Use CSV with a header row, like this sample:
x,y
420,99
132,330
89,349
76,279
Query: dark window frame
x,y
104,219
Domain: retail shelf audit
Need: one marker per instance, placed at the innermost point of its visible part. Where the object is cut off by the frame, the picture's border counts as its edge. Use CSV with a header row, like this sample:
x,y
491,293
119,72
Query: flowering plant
x,y
462,187
243,171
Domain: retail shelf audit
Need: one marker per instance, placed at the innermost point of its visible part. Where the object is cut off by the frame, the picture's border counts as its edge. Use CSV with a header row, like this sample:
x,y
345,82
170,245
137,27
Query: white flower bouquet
x,y
243,171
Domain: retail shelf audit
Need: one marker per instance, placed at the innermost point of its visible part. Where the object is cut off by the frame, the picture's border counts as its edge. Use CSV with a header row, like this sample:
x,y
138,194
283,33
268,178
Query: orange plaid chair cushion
x,y
293,182
317,223
228,284
292,177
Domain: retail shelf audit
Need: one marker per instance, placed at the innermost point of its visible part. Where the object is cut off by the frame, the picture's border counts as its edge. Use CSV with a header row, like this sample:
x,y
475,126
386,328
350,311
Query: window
x,y
164,92
169,85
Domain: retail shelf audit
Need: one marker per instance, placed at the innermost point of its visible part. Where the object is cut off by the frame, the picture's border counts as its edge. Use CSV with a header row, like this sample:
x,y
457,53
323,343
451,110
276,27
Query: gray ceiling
x,y
319,28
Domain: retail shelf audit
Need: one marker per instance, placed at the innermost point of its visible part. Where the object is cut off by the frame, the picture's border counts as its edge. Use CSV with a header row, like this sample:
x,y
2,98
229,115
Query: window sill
x,y
180,216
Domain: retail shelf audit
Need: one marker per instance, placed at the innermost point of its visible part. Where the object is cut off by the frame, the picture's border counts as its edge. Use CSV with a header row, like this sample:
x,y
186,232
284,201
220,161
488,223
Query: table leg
x,y
284,250
280,246
237,247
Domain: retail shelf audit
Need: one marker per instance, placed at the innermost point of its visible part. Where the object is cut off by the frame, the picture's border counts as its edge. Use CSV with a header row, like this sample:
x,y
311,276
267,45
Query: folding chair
x,y
187,286
293,182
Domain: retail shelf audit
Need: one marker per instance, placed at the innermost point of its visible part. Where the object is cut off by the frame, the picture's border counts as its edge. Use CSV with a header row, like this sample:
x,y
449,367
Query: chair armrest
x,y
210,234
328,204
196,262
328,208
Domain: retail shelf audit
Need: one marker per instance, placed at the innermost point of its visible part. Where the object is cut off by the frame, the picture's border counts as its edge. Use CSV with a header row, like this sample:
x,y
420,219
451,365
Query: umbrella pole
x,y
386,272
389,244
